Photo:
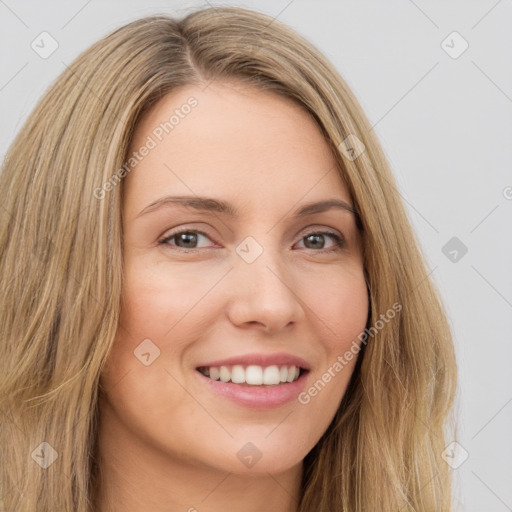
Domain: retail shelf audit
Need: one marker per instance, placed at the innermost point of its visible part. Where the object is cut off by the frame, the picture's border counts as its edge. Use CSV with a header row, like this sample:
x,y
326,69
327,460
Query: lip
x,y
258,397
278,359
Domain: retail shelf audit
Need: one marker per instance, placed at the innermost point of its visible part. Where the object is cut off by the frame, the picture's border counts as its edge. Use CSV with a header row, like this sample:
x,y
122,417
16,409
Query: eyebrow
x,y
208,204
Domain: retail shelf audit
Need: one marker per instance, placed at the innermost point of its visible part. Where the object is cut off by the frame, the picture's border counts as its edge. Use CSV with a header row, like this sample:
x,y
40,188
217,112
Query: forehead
x,y
229,140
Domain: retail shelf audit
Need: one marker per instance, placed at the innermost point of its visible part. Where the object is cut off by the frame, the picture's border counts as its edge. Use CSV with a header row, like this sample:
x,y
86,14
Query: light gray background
x,y
445,125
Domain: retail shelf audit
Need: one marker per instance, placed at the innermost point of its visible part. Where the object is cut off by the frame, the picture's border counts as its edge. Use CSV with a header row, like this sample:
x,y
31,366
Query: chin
x,y
258,456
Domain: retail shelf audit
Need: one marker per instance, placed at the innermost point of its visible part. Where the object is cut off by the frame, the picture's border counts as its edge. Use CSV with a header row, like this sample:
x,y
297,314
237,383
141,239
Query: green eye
x,y
188,239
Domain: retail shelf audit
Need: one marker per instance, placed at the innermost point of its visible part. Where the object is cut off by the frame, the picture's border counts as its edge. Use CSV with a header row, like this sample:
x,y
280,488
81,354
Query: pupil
x,y
187,238
316,238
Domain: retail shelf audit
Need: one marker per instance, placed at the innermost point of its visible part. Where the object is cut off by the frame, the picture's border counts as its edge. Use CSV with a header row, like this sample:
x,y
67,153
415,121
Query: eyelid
x,y
336,236
164,239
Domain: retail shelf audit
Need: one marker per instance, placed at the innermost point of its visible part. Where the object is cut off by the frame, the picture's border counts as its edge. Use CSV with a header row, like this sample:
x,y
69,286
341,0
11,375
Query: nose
x,y
264,293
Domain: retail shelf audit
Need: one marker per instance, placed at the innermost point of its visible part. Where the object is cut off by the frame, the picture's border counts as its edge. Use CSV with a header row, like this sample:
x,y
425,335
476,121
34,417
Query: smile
x,y
253,375
256,381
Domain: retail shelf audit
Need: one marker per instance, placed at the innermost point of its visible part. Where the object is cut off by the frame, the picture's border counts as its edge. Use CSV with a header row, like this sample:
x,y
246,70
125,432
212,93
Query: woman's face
x,y
227,285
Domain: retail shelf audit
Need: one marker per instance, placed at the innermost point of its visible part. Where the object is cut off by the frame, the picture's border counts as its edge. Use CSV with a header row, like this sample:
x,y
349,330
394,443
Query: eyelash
x,y
339,241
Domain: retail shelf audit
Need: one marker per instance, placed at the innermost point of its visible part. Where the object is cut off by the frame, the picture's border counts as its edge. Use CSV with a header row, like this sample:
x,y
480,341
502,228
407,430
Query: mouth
x,y
253,375
256,381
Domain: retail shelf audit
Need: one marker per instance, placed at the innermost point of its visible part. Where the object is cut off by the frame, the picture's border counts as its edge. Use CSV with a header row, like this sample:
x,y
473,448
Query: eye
x,y
184,239
317,238
188,240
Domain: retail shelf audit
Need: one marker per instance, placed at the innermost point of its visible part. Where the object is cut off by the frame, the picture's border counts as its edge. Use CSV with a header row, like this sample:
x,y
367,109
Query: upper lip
x,y
278,359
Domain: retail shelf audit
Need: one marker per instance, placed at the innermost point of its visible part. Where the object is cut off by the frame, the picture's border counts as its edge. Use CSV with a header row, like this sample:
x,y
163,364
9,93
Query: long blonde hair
x,y
61,271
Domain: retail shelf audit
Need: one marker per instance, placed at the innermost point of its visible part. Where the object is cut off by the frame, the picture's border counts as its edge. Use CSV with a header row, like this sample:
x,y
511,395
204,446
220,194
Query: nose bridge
x,y
263,291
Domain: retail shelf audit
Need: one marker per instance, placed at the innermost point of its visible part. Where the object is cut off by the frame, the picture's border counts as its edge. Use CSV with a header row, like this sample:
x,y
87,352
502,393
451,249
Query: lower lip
x,y
257,397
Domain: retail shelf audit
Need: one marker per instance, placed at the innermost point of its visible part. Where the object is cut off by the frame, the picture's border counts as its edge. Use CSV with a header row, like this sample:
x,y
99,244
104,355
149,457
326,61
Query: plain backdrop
x,y
435,79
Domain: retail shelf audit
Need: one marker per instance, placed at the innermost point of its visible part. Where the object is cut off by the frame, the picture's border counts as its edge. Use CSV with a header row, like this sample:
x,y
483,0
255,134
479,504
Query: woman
x,y
173,336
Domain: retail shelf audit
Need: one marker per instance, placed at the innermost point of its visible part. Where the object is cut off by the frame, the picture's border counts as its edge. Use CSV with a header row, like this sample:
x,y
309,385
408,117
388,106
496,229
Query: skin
x,y
167,442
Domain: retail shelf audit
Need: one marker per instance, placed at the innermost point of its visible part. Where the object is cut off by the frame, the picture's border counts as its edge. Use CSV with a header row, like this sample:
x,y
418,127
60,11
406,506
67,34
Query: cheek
x,y
340,306
160,300
165,309
144,369
340,309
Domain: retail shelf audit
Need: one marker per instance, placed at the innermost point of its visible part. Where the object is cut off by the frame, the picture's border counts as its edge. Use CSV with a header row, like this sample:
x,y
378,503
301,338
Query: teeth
x,y
291,374
253,375
225,374
271,376
237,374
